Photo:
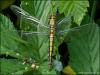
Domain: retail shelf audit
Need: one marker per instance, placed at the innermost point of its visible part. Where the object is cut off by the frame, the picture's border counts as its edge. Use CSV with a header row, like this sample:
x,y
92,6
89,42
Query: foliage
x,y
29,53
84,50
75,8
10,46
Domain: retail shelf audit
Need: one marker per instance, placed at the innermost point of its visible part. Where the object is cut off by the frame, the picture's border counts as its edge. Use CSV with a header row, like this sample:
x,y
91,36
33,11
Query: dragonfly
x,y
52,27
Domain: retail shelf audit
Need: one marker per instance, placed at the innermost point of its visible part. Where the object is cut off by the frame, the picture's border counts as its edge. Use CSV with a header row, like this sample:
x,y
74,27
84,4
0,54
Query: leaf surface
x,y
84,49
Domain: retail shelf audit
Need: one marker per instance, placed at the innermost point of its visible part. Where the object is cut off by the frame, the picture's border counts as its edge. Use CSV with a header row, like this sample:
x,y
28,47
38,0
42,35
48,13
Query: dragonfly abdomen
x,y
51,39
51,43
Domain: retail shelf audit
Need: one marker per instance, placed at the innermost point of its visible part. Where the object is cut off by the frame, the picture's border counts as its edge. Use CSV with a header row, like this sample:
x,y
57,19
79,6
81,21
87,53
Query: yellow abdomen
x,y
51,39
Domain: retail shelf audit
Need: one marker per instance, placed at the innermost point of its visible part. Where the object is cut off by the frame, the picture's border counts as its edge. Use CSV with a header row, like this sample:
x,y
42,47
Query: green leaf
x,y
40,10
76,8
11,43
84,50
11,66
9,38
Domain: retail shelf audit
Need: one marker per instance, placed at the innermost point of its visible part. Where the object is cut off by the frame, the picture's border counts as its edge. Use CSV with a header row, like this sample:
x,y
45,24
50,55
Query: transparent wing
x,y
64,20
63,23
22,32
21,13
73,29
33,33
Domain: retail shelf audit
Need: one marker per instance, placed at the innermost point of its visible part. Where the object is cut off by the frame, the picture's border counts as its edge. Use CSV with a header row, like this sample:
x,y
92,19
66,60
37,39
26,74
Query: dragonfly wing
x,y
72,29
22,32
33,33
21,13
63,24
64,20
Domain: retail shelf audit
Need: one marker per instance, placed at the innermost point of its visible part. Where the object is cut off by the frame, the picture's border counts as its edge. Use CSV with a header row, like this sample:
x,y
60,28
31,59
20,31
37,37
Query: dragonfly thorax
x,y
52,20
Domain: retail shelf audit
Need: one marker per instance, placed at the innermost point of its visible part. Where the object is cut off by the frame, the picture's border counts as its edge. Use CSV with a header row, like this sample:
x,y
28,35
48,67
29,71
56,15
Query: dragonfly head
x,y
52,16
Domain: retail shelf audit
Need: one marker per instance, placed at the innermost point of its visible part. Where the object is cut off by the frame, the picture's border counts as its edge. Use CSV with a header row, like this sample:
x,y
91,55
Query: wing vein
x,y
20,12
